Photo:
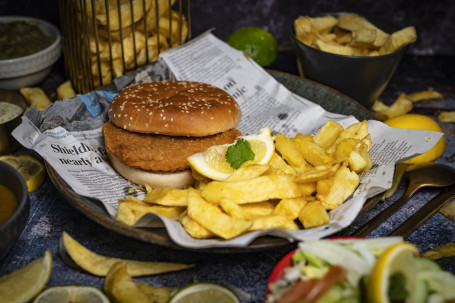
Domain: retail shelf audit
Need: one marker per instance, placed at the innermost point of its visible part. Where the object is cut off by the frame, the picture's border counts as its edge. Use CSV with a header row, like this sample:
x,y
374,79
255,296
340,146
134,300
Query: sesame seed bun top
x,y
175,108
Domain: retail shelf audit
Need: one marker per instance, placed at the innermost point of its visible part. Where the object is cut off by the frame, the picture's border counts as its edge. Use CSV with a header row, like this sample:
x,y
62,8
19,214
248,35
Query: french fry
x,y
328,134
193,228
344,184
258,209
323,24
212,218
273,221
313,153
289,151
364,37
234,210
398,40
246,172
350,35
353,22
277,166
313,214
316,174
290,207
272,187
166,196
333,48
129,212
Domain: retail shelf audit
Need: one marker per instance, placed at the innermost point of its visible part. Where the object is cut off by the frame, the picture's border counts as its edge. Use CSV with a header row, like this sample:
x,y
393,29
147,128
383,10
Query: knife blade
x,y
425,212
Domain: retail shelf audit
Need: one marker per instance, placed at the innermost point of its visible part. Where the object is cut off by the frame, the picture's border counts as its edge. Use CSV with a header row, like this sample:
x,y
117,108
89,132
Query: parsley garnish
x,y
239,153
397,288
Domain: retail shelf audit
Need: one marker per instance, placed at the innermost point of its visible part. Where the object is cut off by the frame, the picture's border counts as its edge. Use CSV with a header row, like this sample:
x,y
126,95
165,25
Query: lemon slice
x,y
24,284
30,168
396,258
86,294
204,292
212,162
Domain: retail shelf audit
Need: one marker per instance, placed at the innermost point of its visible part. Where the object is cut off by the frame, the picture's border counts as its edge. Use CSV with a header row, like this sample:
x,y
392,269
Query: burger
x,y
154,127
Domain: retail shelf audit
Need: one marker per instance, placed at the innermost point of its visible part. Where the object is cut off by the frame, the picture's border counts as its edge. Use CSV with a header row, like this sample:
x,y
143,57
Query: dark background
x,y
434,20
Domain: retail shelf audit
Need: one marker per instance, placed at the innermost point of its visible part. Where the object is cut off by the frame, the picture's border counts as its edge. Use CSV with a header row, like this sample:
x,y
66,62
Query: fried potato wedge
x,y
328,134
166,196
277,166
99,265
258,209
246,191
273,221
193,228
212,218
290,207
398,40
248,172
344,183
129,212
289,151
313,214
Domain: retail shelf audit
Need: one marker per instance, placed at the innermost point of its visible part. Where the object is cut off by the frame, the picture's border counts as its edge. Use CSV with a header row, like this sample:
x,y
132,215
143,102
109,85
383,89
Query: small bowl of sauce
x,y
12,106
14,207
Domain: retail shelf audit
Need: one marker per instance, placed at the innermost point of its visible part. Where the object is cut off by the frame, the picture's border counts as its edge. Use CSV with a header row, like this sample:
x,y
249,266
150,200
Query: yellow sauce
x,y
9,111
8,203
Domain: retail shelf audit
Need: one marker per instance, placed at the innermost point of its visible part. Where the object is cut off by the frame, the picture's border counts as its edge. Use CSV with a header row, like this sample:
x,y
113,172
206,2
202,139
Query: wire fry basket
x,y
104,39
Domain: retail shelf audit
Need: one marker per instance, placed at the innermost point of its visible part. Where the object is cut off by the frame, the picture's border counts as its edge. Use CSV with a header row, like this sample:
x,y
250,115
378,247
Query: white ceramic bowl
x,y
32,69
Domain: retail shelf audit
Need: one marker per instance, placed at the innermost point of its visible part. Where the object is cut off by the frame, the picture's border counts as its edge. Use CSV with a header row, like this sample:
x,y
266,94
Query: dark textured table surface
x,y
51,214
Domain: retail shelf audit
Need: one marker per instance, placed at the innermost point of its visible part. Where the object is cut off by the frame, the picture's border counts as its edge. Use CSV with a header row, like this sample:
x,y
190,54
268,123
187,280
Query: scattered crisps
x,y
351,35
65,91
403,104
443,251
306,177
446,116
99,265
36,97
120,288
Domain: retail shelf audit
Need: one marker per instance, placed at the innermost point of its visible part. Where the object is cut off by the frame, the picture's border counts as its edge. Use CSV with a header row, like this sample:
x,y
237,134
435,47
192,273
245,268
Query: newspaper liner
x,y
68,134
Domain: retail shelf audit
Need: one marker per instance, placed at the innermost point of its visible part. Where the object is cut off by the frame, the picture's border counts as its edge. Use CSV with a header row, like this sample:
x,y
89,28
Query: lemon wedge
x,y
86,294
417,121
204,292
398,258
30,168
212,162
24,284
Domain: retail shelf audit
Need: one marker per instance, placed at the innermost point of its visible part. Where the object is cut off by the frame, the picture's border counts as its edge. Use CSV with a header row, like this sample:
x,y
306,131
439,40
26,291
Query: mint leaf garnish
x,y
239,153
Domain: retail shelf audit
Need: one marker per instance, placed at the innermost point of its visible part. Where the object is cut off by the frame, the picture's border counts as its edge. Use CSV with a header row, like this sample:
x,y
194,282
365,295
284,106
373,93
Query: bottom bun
x,y
179,179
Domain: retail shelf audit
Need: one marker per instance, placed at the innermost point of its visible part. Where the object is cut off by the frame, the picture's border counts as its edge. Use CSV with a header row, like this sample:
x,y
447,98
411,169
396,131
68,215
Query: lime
x,y
212,162
398,258
24,284
204,292
417,121
86,294
256,42
30,168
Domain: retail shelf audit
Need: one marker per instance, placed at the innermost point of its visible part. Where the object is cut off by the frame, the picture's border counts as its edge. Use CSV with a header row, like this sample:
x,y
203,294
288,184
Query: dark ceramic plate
x,y
329,99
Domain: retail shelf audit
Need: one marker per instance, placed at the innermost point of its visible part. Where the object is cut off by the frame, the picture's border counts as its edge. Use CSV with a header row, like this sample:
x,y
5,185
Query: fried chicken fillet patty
x,y
159,152
154,127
